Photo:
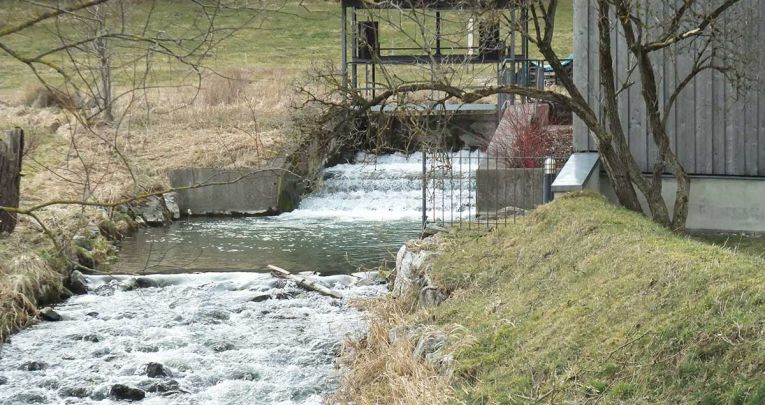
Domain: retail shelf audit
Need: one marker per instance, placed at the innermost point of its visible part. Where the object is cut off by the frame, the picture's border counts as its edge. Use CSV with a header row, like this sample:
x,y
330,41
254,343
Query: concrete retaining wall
x,y
715,203
500,188
239,191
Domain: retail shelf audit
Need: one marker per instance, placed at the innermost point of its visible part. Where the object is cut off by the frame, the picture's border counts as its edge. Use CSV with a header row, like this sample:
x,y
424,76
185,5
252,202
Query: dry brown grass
x,y
26,281
226,87
38,96
381,372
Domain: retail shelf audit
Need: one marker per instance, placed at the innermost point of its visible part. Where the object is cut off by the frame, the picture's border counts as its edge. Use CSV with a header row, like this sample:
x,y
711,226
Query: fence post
x,y
424,189
11,149
549,170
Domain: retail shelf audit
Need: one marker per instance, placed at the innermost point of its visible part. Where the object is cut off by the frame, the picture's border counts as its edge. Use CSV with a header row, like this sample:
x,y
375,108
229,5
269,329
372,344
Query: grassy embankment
x,y
582,302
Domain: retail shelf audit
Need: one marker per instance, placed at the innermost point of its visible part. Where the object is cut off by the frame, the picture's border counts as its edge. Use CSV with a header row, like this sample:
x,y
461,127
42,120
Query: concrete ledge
x,y
236,192
579,173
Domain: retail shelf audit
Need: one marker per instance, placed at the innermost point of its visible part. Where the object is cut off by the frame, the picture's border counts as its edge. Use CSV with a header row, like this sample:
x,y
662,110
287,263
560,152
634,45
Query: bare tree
x,y
694,30
100,56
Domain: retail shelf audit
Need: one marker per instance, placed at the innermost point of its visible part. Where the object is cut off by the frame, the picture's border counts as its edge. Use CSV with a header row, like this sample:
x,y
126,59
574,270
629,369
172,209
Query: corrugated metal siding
x,y
713,130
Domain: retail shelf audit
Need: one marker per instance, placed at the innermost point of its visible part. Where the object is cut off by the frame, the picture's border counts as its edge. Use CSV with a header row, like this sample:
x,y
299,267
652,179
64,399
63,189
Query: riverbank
x,y
577,302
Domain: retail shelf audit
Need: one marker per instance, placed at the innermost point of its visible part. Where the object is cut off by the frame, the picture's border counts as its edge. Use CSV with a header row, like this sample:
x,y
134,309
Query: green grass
x,y
743,243
584,302
281,43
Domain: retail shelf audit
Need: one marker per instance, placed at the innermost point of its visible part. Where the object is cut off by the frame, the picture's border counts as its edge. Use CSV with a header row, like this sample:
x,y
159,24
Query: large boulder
x,y
153,211
431,296
48,314
160,386
157,370
74,392
412,267
171,203
76,283
33,366
125,393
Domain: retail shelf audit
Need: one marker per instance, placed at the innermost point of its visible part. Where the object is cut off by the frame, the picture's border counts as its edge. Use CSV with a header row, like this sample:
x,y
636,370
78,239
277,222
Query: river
x,y
223,330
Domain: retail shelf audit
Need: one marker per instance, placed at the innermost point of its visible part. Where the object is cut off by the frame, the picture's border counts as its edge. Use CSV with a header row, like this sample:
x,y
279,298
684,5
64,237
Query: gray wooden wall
x,y
713,130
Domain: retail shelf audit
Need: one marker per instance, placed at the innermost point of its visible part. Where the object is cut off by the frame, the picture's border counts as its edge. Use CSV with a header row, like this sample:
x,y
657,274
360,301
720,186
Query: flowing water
x,y
225,332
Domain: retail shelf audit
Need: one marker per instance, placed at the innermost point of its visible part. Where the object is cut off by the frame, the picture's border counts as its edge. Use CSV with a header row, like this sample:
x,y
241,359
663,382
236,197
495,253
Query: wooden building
x,y
717,132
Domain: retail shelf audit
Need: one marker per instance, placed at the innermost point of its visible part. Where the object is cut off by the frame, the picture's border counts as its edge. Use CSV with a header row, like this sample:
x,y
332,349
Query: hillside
x,y
583,302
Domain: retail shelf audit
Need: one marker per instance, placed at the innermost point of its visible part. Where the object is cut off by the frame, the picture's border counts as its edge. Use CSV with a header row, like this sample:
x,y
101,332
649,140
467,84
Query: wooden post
x,y
11,149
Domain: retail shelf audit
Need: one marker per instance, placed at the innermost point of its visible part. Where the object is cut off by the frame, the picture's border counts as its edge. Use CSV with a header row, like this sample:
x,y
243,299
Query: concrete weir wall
x,y
508,187
236,191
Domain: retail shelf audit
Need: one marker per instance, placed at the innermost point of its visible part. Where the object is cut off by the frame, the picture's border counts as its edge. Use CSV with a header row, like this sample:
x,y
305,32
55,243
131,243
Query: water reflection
x,y
327,246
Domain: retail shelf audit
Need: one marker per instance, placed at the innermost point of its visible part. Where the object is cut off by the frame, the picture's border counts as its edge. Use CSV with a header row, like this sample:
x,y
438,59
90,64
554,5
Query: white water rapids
x,y
221,340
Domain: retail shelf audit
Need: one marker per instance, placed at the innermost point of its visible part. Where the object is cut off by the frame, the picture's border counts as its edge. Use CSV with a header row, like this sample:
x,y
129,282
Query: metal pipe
x,y
438,33
355,46
344,34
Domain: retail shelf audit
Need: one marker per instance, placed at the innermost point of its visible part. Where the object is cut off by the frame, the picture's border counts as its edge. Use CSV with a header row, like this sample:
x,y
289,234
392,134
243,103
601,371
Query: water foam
x,y
220,346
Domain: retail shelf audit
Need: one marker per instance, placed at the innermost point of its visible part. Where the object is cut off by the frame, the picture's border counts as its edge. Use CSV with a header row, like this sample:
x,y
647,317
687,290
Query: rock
x,y
102,352
48,314
29,397
65,294
431,230
85,258
145,282
100,393
83,242
33,366
219,347
171,202
431,297
429,343
91,338
74,392
370,279
412,271
157,370
3,380
153,211
129,284
245,375
261,298
92,314
443,364
160,386
402,332
123,392
76,283
49,383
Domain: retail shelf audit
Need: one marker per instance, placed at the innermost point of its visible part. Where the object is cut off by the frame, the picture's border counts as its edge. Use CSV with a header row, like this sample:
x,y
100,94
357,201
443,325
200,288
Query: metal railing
x,y
478,189
532,72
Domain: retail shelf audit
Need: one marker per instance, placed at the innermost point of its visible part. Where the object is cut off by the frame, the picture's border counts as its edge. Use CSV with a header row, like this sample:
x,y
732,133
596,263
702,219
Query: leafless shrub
x,y
39,96
525,137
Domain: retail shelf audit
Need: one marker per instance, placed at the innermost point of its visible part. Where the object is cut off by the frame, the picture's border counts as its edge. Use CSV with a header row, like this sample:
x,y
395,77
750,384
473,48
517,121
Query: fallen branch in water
x,y
303,282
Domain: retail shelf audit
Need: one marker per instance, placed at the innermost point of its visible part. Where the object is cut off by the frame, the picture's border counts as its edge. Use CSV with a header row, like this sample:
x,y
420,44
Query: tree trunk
x,y
11,149
303,282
